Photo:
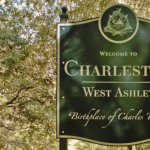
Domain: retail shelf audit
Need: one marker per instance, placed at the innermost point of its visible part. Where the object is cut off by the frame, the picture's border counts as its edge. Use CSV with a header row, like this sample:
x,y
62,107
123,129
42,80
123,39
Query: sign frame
x,y
58,92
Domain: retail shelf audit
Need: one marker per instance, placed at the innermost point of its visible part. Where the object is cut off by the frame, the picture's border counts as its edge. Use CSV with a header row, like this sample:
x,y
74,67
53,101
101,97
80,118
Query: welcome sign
x,y
103,83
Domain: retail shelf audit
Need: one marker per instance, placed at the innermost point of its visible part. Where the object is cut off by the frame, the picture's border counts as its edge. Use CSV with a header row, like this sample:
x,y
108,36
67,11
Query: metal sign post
x,y
63,144
63,19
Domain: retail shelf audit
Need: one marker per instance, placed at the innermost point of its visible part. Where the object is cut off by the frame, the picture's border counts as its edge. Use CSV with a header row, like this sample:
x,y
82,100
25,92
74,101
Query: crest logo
x,y
118,23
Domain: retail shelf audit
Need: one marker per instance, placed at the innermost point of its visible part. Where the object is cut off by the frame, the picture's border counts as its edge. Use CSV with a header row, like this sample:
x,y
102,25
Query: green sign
x,y
103,79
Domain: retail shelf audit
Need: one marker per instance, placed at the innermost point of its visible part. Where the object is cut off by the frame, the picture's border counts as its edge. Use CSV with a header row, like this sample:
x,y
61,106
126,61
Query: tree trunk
x,y
132,147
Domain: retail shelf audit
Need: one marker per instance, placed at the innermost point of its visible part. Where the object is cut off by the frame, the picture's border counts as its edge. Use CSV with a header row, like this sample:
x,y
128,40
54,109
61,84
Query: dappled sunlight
x,y
28,70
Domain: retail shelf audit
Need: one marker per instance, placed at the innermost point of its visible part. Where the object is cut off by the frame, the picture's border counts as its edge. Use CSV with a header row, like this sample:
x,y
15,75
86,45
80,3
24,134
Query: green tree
x,y
28,75
28,67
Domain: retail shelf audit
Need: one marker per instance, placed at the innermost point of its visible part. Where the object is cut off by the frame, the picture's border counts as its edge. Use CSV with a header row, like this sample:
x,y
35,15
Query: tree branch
x,y
17,96
1,125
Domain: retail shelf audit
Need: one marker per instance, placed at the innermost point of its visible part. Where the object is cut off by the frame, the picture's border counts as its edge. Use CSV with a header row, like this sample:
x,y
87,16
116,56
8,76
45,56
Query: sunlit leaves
x,y
27,75
28,67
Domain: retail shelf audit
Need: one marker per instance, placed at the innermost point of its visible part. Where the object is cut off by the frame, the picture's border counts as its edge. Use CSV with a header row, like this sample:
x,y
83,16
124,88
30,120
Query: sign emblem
x,y
118,23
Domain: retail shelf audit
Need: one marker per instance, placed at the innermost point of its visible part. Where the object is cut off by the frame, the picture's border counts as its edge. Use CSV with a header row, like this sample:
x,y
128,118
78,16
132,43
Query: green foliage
x,y
27,77
28,70
145,146
82,145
